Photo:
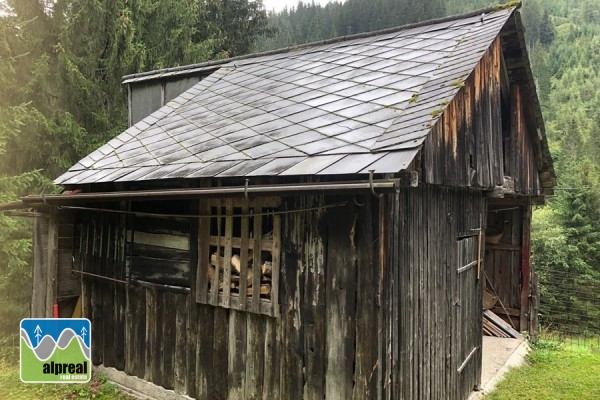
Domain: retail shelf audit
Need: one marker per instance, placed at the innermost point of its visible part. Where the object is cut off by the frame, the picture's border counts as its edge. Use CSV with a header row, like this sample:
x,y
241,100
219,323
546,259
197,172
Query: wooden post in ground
x,y
38,296
525,269
52,265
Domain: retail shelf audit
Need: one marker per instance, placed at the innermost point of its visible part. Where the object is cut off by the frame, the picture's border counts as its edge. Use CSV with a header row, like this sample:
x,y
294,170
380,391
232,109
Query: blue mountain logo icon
x,y
55,350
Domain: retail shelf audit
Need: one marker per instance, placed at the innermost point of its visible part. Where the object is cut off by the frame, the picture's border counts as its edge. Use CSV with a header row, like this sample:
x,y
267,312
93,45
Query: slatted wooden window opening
x,y
239,254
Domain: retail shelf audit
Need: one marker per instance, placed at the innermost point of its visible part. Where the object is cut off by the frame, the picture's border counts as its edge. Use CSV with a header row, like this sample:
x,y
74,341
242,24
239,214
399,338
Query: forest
x,y
61,63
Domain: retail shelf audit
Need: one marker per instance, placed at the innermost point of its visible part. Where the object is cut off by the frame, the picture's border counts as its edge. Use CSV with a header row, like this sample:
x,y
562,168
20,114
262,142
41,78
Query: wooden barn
x,y
316,222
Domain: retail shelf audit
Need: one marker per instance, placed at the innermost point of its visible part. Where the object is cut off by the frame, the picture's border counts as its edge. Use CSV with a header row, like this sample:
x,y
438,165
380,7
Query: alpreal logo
x,y
56,350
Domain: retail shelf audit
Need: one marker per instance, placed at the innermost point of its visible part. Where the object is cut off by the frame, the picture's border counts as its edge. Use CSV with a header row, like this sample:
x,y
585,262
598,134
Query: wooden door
x,y
466,346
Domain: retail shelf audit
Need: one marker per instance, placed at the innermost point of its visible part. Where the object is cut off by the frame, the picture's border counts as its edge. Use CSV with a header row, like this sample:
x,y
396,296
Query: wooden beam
x,y
408,179
504,81
52,266
38,297
525,268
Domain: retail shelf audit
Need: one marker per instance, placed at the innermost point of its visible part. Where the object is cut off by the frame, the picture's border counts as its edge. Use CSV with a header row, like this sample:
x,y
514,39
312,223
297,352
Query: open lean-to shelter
x,y
316,222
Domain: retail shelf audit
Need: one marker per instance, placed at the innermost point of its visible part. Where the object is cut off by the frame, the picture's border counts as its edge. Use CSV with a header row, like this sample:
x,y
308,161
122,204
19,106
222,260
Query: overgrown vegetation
x,y
553,371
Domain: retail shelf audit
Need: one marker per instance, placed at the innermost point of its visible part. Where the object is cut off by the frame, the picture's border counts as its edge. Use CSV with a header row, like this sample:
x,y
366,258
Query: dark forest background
x,y
61,63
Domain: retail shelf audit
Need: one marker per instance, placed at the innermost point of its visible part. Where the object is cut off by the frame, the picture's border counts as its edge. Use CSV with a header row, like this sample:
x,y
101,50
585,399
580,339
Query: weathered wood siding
x,y
67,283
470,146
160,250
324,341
40,267
378,299
53,281
433,313
520,161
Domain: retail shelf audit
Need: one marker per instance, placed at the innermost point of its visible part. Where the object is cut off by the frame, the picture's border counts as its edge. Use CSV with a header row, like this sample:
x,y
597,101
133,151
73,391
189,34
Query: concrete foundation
x,y
500,355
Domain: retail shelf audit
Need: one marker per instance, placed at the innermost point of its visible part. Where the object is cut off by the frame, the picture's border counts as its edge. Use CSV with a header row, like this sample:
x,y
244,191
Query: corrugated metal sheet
x,y
339,108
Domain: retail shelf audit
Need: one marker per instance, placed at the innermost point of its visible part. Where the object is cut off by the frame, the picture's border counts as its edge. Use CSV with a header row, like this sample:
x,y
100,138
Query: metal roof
x,y
343,107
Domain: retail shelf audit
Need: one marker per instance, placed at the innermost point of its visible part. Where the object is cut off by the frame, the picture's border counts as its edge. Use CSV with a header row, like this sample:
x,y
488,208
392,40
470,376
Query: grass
x,y
11,386
554,371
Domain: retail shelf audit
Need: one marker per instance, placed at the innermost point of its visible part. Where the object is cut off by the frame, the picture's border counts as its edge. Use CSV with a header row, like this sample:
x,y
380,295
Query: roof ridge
x,y
216,63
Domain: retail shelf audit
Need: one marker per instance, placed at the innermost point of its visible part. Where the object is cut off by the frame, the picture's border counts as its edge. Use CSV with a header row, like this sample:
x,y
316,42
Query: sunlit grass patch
x,y
554,372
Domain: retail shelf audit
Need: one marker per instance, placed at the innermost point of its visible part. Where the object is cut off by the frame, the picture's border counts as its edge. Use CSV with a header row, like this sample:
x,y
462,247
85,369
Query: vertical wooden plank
x,y
395,227
237,359
341,302
257,256
404,266
219,386
39,273
276,261
191,324
150,345
439,316
108,290
130,316
397,370
425,294
140,333
311,254
227,252
255,356
451,348
245,235
120,300
158,351
51,277
384,345
87,246
169,337
214,286
497,109
365,372
272,361
413,299
97,323
205,353
203,253
130,333
382,245
292,375
525,268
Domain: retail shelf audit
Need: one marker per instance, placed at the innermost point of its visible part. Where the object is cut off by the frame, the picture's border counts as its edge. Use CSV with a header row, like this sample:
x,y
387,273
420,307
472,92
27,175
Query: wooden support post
x,y
38,297
525,268
479,234
52,266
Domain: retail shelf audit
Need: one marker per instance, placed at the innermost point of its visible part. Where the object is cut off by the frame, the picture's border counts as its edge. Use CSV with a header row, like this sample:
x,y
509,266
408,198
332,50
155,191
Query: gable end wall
x,y
471,146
